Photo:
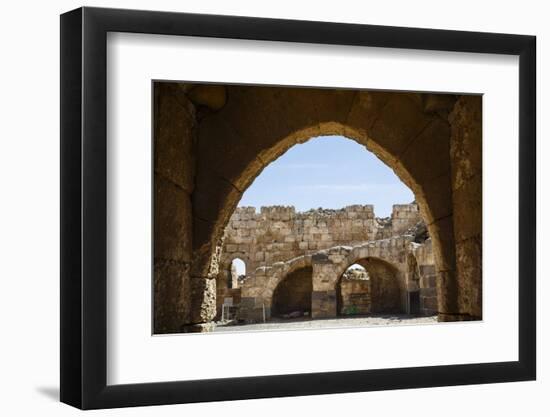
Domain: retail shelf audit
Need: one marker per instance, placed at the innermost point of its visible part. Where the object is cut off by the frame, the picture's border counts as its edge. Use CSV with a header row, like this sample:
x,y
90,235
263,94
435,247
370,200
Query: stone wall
x,y
278,241
354,296
422,276
403,217
388,291
279,233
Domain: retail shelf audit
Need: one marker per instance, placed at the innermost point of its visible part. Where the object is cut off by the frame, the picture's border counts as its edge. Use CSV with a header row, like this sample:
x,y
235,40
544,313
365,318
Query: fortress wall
x,y
279,233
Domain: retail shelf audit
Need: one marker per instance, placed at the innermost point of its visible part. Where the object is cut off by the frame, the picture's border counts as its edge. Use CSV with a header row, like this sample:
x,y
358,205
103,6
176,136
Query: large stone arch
x,y
238,130
258,125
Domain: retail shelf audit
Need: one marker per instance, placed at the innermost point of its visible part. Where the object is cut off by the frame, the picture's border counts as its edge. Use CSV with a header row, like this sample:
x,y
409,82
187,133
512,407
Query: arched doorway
x,y
369,286
237,273
353,292
413,285
292,297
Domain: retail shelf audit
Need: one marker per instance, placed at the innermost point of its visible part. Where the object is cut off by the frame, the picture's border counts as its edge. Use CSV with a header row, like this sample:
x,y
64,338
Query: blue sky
x,y
328,172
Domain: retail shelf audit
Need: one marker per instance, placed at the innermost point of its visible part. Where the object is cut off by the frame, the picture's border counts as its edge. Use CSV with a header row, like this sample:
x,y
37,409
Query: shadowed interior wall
x,y
353,297
293,294
385,293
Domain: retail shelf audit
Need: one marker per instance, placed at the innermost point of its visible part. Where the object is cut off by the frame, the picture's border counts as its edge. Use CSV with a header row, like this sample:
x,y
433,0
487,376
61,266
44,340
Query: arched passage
x,y
232,272
237,273
406,144
379,292
353,291
292,296
413,285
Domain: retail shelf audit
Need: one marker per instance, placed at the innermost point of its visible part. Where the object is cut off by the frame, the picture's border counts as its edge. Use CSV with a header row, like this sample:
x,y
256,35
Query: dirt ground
x,y
302,323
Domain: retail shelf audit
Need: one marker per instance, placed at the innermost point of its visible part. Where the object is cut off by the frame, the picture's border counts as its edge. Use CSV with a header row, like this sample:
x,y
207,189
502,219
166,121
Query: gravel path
x,y
301,323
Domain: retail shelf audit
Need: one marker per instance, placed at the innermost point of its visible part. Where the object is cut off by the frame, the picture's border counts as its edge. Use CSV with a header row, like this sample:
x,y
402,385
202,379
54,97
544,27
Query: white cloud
x,y
349,187
305,166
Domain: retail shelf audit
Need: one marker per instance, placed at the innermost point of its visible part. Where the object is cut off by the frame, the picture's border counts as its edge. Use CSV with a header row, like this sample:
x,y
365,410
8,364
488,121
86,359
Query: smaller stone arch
x,y
227,287
257,290
353,292
392,251
385,261
279,270
224,274
237,272
385,294
330,264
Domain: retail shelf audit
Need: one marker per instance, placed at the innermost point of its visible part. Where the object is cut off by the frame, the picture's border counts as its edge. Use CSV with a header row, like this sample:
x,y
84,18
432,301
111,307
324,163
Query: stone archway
x,y
366,117
381,293
384,262
413,285
258,292
354,292
434,147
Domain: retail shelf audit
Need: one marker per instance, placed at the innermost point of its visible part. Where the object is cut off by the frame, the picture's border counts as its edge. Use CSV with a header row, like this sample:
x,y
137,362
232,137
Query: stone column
x,y
203,305
445,263
466,172
203,295
173,184
323,297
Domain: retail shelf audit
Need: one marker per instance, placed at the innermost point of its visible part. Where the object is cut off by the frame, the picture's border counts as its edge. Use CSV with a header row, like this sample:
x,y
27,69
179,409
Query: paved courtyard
x,y
301,323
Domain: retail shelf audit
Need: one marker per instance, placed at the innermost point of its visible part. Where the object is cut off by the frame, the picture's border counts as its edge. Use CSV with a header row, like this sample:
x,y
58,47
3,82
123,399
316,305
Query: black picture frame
x,y
84,207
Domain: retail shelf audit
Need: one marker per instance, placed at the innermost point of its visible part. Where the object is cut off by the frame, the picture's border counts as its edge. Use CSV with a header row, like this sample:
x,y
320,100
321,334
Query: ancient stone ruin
x,y
297,263
212,141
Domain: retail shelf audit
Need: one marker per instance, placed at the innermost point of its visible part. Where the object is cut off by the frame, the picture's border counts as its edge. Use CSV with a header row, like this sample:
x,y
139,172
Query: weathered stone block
x,y
394,133
468,211
174,135
320,258
419,160
466,141
203,299
469,276
443,243
171,296
172,227
438,193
